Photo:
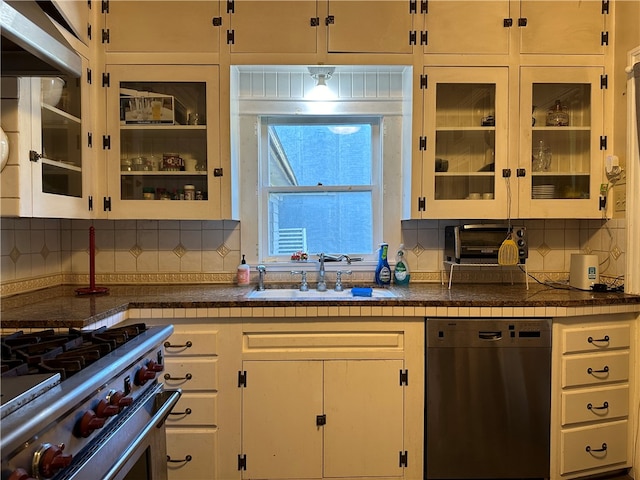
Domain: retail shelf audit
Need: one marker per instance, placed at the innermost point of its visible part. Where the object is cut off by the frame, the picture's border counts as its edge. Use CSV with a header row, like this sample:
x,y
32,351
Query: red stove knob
x,y
104,409
155,366
48,460
119,399
143,375
88,423
19,474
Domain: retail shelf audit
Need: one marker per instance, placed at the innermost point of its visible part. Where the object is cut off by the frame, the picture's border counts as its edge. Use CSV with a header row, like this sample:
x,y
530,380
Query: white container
x,y
584,271
189,192
244,273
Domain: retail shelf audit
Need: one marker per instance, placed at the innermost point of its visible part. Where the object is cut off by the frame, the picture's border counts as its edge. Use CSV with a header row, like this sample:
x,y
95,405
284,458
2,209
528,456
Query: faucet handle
x,y
261,268
339,274
304,286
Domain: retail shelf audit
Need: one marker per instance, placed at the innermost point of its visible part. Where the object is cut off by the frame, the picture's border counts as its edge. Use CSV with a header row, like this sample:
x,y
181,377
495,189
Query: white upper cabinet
x,y
562,142
77,14
175,26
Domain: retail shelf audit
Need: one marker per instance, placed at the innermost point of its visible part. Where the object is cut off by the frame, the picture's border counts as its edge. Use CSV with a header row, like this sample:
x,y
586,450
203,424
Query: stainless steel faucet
x,y
322,284
262,271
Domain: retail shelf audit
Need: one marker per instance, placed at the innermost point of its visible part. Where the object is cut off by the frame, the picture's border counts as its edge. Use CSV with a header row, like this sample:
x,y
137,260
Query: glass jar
x,y
558,115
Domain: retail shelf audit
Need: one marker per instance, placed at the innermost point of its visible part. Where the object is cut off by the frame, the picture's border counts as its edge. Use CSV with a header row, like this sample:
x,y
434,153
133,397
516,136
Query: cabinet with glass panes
x,y
464,143
163,142
560,141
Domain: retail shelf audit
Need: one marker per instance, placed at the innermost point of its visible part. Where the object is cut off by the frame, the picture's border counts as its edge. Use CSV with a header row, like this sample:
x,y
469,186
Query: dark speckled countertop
x,y
61,307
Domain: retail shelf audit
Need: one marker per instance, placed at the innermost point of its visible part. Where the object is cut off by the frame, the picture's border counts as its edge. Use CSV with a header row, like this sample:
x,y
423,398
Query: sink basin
x,y
295,294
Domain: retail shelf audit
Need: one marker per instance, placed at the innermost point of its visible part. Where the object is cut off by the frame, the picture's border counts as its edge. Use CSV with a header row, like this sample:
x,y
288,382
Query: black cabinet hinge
x,y
321,420
105,6
230,37
90,203
413,6
89,139
106,80
423,81
422,204
604,82
403,459
404,377
231,6
424,38
506,172
605,7
423,143
89,77
218,172
603,142
242,379
242,462
106,204
507,22
89,2
89,31
604,38
330,20
522,22
216,21
413,36
106,142
424,6
602,203
314,21
521,172
105,35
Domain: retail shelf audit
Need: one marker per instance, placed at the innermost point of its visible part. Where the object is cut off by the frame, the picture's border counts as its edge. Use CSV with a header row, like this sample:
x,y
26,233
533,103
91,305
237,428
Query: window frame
x,y
375,187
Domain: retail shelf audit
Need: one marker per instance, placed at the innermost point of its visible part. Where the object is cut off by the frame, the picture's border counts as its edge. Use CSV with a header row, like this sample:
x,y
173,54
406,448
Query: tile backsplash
x,y
37,253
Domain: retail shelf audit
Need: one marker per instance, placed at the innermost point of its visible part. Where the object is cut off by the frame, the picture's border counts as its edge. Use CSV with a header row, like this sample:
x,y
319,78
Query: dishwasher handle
x,y
490,335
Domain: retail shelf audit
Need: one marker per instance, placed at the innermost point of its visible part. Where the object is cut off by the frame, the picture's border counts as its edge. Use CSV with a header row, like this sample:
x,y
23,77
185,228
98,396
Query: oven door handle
x,y
164,403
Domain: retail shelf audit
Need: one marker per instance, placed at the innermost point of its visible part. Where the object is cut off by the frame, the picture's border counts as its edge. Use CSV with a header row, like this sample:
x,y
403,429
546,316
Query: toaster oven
x,y
479,243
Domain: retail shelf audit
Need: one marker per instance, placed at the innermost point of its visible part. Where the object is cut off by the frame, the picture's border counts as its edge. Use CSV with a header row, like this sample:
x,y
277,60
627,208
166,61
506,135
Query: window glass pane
x,y
314,154
338,222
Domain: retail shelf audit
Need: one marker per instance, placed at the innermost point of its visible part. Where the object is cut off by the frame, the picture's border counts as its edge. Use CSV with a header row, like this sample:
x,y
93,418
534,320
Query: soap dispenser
x,y
244,272
401,274
383,272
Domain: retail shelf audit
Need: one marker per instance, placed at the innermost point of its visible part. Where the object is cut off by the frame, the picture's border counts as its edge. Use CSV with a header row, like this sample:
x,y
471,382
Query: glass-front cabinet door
x,y
464,147
561,132
163,149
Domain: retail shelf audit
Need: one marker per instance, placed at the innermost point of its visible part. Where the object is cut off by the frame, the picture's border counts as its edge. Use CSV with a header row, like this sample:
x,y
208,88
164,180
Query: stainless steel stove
x,y
82,404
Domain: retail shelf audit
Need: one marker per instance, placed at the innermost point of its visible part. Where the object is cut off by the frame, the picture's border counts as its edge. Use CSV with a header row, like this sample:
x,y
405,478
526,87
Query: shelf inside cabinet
x,y
52,116
59,164
162,173
465,174
161,126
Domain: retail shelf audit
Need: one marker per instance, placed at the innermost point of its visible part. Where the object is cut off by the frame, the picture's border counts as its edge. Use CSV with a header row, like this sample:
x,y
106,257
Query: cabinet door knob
x,y
604,406
189,344
186,459
602,449
591,371
188,376
605,339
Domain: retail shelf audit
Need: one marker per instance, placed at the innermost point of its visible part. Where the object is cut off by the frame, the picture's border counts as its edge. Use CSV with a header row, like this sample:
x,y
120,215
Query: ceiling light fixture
x,y
321,91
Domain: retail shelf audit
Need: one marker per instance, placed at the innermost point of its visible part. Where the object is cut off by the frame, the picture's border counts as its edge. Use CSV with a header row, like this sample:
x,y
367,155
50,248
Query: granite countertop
x,y
61,307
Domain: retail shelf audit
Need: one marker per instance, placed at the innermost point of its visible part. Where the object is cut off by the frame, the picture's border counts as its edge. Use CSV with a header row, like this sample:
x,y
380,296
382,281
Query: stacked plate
x,y
543,191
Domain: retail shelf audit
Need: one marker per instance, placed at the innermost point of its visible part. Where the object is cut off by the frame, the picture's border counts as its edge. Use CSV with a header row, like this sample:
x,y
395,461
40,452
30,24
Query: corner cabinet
x,y
332,400
163,149
562,142
48,122
464,143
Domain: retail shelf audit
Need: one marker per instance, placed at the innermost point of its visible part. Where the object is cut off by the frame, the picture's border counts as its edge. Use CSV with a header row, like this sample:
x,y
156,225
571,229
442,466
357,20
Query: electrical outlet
x,y
603,188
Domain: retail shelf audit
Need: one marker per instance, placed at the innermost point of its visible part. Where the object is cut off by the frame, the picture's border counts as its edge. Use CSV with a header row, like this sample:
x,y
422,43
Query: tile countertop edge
x,y
66,310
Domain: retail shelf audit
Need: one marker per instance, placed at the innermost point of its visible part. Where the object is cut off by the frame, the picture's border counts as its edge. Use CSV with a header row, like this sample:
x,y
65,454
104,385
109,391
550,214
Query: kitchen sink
x,y
296,294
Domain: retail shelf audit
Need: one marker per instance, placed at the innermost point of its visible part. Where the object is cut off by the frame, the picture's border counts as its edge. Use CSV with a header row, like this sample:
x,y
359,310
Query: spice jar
x,y
189,192
149,193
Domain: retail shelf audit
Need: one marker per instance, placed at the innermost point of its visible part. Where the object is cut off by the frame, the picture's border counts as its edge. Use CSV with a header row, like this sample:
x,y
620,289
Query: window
x,y
320,184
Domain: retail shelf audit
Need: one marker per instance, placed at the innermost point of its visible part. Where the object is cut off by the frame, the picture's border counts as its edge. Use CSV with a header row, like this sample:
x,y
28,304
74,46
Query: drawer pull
x,y
604,406
601,340
603,449
188,376
186,345
186,459
591,371
186,412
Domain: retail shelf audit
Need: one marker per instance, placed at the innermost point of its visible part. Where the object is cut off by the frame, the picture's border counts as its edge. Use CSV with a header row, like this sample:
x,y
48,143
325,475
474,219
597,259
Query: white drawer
x,y
190,340
595,404
595,339
199,445
595,369
191,373
579,446
194,409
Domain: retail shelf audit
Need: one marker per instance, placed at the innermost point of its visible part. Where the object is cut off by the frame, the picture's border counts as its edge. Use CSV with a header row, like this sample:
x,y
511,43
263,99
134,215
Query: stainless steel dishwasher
x,y
488,398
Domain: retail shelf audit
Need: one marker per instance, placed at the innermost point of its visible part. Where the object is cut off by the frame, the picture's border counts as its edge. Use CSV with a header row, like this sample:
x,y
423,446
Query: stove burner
x,y
65,353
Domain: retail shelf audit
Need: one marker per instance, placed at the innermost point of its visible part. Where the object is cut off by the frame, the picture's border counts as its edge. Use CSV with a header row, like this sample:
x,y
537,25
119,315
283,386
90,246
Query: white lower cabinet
x,y
590,411
190,453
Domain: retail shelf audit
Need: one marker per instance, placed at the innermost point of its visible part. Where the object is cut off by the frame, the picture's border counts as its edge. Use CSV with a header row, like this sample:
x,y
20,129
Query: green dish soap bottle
x,y
383,271
401,274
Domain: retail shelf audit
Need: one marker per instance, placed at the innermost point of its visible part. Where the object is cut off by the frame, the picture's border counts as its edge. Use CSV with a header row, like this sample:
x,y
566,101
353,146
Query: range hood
x,y
32,44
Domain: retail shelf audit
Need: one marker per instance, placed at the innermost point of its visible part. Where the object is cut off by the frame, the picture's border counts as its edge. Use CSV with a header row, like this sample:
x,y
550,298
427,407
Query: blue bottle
x,y
383,272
